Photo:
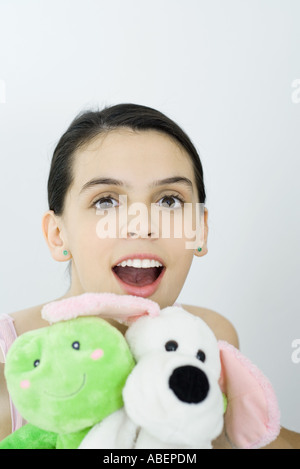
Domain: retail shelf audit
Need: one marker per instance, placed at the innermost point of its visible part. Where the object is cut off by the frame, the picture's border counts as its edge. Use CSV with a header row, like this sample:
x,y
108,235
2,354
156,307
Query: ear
x,y
125,308
53,236
252,418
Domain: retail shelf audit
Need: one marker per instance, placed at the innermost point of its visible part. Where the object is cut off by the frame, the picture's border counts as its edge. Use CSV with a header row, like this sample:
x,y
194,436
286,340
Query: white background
x,y
223,69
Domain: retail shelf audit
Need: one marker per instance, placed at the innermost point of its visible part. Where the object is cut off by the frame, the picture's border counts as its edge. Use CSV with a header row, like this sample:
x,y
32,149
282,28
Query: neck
x,y
75,287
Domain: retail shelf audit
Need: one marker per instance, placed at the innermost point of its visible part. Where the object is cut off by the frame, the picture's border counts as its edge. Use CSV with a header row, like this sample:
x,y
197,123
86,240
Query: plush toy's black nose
x,y
190,384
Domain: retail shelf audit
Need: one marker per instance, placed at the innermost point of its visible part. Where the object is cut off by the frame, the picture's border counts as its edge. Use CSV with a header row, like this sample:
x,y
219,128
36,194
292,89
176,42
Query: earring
x,y
65,253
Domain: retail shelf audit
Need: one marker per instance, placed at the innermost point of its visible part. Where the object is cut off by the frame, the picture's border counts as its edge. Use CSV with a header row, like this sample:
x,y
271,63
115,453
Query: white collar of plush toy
x,y
174,397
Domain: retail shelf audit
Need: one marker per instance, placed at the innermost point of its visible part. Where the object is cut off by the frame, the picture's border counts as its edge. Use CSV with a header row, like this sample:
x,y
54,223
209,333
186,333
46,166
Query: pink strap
x,y
7,336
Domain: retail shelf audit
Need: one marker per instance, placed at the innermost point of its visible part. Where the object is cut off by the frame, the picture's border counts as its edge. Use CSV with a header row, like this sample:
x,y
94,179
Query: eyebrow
x,y
117,182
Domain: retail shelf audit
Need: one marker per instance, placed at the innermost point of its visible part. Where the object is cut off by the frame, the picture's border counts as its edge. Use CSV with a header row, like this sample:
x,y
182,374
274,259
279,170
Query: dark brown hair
x,y
87,125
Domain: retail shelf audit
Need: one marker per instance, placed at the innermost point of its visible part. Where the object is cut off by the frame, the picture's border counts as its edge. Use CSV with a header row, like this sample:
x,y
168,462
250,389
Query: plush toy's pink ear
x,y
252,418
125,308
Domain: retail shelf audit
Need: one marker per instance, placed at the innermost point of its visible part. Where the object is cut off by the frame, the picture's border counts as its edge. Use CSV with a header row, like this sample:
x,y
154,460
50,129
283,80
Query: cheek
x,y
180,260
98,353
25,384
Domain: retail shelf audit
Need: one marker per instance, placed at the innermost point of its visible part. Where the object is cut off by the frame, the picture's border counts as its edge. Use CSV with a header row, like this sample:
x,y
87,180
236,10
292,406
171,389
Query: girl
x,y
125,153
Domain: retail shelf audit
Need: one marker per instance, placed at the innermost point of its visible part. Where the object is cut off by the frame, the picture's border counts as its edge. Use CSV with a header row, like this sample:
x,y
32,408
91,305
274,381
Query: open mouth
x,y
139,276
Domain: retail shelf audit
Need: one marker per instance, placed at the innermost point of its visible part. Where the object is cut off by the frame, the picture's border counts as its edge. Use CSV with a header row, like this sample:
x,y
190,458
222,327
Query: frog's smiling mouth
x,y
66,396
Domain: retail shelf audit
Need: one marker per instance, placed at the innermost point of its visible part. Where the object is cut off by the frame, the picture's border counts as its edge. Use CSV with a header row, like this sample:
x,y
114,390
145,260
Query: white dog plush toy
x,y
173,398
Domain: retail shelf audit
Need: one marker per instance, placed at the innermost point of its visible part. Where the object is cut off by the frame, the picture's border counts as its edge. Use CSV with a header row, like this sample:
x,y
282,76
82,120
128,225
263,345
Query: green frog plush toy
x,y
65,378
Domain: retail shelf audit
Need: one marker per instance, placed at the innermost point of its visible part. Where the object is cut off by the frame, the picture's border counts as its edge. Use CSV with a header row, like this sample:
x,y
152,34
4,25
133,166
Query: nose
x,y
189,384
131,234
137,226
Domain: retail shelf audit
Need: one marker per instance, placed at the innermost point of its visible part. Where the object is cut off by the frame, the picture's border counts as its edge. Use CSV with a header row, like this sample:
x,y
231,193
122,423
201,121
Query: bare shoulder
x,y
222,327
28,319
25,320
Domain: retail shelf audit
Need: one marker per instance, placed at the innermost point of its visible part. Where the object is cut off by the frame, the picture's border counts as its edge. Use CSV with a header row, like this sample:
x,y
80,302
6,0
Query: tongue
x,y
134,276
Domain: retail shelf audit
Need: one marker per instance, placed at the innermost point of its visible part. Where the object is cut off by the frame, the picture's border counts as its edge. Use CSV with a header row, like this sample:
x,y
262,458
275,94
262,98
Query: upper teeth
x,y
140,263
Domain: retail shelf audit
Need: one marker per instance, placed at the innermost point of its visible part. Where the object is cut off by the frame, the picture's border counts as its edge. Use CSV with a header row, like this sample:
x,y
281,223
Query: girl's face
x,y
100,228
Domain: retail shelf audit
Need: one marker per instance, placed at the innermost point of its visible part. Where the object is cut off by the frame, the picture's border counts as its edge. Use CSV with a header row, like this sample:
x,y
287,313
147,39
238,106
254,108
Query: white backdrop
x,y
226,71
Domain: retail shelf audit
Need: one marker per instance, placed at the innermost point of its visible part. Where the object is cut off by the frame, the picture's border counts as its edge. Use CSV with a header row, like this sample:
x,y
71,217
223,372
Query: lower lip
x,y
145,291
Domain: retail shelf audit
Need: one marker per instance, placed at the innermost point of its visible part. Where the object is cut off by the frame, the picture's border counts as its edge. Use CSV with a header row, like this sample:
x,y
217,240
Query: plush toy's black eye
x,y
36,363
76,345
171,346
201,355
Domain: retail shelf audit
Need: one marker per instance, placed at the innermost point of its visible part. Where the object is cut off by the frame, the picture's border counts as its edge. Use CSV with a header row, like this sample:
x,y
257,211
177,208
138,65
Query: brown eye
x,y
171,346
201,356
105,203
170,201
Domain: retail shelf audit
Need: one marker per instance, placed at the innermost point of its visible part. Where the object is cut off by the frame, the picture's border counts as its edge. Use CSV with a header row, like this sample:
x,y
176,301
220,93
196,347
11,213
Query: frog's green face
x,y
70,375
